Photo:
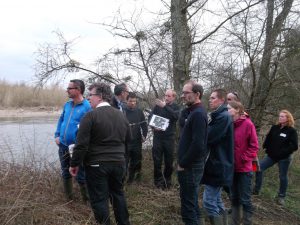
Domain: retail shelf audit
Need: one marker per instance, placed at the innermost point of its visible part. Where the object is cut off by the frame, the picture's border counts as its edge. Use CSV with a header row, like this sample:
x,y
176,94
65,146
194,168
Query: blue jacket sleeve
x,y
60,120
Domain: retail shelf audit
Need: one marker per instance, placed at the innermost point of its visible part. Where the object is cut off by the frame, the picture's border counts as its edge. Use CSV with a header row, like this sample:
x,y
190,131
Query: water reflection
x,y
28,140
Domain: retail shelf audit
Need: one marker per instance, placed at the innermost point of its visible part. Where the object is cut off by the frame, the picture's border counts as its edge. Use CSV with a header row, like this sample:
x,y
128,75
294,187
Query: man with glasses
x,y
164,140
102,135
66,132
192,152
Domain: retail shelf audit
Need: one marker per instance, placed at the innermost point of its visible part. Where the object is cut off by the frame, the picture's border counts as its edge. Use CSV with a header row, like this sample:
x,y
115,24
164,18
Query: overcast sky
x,y
27,23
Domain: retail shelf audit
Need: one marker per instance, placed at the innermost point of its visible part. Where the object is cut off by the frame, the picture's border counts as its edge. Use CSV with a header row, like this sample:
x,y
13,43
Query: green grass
x,y
271,185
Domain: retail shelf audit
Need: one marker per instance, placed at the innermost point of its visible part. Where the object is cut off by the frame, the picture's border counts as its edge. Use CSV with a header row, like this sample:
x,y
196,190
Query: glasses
x,y
71,88
89,95
186,92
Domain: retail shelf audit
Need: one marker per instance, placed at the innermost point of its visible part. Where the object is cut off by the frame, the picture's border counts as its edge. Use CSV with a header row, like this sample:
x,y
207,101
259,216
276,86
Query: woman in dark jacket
x,y
280,143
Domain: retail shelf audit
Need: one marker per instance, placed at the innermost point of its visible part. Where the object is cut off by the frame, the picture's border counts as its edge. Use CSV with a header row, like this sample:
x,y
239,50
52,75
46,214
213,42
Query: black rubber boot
x,y
236,215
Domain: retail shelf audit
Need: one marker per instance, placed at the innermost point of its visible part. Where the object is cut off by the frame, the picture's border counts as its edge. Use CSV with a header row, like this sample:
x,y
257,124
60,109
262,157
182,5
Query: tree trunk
x,y
264,84
181,43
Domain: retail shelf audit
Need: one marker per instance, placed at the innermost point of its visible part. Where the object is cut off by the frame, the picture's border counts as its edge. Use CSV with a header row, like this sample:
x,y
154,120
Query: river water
x,y
28,140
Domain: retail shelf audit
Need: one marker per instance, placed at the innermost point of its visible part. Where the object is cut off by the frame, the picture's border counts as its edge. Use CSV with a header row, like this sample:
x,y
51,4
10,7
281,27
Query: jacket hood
x,y
240,120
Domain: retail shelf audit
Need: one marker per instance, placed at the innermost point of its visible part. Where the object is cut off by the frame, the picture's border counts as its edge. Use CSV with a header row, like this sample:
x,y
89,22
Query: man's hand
x,y
179,168
74,170
160,103
57,140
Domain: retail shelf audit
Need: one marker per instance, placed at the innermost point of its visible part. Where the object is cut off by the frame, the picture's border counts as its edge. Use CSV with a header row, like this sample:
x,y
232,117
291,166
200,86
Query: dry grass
x,y
34,196
21,95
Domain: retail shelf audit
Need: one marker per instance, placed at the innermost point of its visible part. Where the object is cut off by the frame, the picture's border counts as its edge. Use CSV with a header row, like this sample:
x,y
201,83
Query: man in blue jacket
x,y
219,166
66,132
192,152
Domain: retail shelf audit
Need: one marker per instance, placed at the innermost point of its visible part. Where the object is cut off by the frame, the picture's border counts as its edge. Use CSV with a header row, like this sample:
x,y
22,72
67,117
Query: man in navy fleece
x,y
191,152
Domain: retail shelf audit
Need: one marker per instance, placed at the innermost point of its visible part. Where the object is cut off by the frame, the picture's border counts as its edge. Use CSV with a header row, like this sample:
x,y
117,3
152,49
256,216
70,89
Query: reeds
x,y
22,95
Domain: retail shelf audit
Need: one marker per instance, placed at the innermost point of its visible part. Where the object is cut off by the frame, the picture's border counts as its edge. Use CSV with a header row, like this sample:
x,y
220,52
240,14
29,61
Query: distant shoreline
x,y
29,112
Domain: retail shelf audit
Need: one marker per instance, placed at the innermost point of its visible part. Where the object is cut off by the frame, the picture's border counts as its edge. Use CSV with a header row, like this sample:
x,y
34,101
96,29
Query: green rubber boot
x,y
84,193
68,188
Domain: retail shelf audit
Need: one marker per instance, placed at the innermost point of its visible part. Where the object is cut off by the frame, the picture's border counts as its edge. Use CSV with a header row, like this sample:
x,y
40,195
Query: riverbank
x,y
30,112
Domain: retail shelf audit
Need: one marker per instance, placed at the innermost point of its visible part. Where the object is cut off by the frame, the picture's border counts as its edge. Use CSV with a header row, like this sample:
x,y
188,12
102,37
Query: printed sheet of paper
x,y
159,122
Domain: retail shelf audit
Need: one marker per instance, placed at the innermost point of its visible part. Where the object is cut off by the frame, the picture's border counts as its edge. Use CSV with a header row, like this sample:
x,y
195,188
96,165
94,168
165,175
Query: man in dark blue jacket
x,y
192,152
219,166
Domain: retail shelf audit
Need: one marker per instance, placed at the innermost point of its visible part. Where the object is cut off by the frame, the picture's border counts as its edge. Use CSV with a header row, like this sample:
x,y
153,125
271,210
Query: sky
x,y
27,24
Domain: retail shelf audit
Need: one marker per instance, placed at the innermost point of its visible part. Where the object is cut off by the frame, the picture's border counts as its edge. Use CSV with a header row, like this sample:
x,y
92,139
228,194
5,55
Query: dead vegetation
x,y
33,196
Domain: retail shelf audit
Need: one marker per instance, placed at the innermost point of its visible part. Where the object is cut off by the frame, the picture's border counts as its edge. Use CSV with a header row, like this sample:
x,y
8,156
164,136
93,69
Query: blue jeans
x,y
283,166
64,158
241,191
212,200
105,183
189,181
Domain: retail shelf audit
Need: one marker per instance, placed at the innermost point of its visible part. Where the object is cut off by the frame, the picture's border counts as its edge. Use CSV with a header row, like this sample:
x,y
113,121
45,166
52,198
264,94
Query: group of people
x,y
215,150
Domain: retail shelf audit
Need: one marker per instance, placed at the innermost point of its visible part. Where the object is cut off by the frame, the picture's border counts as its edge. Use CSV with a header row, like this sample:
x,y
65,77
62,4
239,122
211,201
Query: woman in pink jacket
x,y
245,150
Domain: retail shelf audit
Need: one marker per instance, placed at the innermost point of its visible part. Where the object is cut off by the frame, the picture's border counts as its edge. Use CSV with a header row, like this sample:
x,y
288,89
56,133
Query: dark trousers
x,y
105,182
241,191
134,158
64,158
283,166
189,181
163,149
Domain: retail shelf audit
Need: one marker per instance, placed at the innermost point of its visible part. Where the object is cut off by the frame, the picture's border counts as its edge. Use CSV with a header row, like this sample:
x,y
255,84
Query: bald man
x,y
163,141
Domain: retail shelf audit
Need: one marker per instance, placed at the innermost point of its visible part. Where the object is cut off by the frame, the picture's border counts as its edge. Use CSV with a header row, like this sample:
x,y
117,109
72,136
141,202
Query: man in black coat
x,y
100,145
139,130
120,96
164,140
219,167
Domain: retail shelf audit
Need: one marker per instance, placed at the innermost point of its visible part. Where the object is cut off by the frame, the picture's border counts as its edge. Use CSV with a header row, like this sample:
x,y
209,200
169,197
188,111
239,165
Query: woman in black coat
x,y
280,143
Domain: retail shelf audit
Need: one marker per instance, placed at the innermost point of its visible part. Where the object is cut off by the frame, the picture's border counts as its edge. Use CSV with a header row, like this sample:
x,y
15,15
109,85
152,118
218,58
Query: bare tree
x,y
56,61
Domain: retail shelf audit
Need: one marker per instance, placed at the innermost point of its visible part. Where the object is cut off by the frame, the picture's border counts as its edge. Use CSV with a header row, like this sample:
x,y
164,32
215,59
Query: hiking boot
x,y
281,201
247,218
255,192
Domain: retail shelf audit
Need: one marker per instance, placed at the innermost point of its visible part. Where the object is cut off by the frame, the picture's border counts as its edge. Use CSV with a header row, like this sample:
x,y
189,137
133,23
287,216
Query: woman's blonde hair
x,y
290,118
237,106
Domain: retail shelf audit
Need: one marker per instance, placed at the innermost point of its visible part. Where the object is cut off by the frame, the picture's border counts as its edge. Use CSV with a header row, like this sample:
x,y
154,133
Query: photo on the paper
x,y
159,122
